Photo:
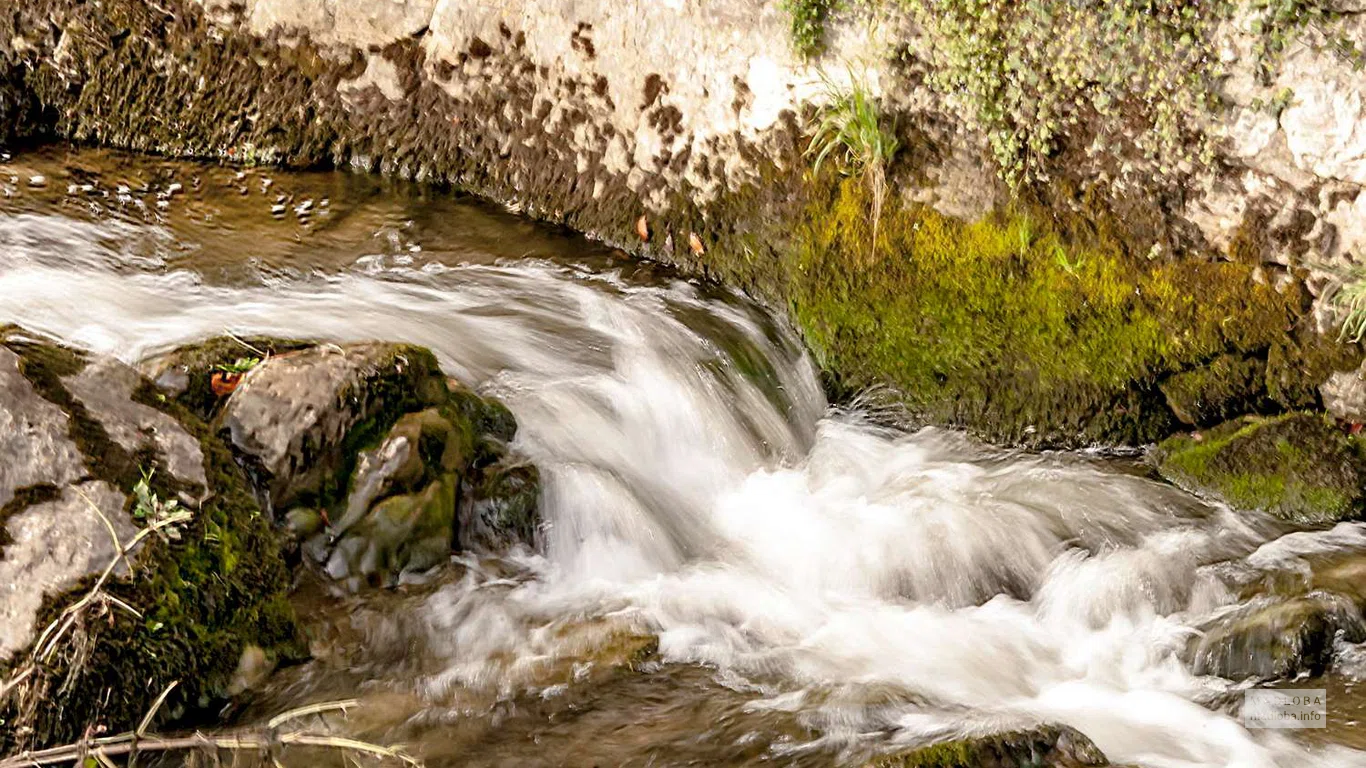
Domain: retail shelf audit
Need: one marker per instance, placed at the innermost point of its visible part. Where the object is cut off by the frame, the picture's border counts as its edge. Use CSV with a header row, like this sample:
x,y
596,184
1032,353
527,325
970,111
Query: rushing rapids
x,y
820,585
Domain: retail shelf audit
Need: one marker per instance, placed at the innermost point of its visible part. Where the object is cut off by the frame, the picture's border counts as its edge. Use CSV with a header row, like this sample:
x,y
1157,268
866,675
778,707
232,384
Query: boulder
x,y
1272,638
303,416
1298,466
93,455
1042,747
378,464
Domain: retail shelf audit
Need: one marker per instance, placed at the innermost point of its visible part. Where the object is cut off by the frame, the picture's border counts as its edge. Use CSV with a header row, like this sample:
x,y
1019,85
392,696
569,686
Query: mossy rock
x,y
1021,327
1226,387
1043,747
186,372
1297,466
202,596
302,417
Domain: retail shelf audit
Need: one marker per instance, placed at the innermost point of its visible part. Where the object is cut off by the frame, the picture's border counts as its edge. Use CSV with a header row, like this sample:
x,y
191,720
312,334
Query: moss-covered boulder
x,y
376,462
1043,747
1297,466
93,453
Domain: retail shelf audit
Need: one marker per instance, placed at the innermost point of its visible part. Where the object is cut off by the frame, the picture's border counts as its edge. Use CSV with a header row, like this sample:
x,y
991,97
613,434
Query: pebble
x,y
37,181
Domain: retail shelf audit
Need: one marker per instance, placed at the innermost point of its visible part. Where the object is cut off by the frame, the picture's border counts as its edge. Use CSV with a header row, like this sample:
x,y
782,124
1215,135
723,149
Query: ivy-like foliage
x,y
808,24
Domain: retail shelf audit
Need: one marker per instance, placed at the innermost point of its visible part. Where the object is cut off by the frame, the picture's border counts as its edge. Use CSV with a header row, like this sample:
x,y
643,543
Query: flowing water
x,y
820,587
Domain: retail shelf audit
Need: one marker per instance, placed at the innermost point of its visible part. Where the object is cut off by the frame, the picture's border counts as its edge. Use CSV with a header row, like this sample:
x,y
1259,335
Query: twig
x,y
235,338
311,709
126,744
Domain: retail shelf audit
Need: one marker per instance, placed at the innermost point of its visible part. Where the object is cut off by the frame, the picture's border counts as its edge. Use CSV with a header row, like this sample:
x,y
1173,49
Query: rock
x,y
397,463
33,436
1043,747
80,435
1298,467
504,509
301,416
402,535
52,546
442,477
186,372
1271,638
1228,386
1344,395
105,387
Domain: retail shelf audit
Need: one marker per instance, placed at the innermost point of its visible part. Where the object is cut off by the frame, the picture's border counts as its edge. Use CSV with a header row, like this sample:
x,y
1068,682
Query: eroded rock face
x,y
1298,467
97,457
1277,639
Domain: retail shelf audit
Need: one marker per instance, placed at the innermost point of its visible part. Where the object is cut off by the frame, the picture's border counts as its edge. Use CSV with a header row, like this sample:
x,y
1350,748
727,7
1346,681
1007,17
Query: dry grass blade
x,y
312,709
156,707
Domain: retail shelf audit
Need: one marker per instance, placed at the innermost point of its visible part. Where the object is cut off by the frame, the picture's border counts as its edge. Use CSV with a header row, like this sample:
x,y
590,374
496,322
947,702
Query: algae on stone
x,y
1042,747
1014,329
1297,466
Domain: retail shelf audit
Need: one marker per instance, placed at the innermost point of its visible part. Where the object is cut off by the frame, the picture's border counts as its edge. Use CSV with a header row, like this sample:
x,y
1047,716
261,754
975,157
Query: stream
x,y
821,587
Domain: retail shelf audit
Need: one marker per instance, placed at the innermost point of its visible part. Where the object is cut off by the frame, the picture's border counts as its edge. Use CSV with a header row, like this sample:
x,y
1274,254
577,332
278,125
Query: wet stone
x,y
105,387
53,545
33,436
1042,747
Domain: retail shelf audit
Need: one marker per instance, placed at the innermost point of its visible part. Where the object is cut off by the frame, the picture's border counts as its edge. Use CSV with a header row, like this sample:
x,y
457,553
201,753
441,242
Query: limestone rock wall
x,y
677,130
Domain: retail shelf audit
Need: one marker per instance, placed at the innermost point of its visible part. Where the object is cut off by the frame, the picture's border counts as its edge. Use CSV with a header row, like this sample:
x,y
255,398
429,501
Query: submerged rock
x,y
1298,467
1043,747
92,454
1276,639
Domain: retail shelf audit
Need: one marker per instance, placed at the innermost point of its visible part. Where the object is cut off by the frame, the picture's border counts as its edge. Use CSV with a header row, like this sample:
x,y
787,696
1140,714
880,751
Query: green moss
x,y
1225,387
1297,466
1042,747
1008,328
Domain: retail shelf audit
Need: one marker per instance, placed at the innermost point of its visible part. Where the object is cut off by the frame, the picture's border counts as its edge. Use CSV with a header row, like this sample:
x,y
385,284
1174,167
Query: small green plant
x,y
240,365
1350,298
849,128
808,24
150,510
